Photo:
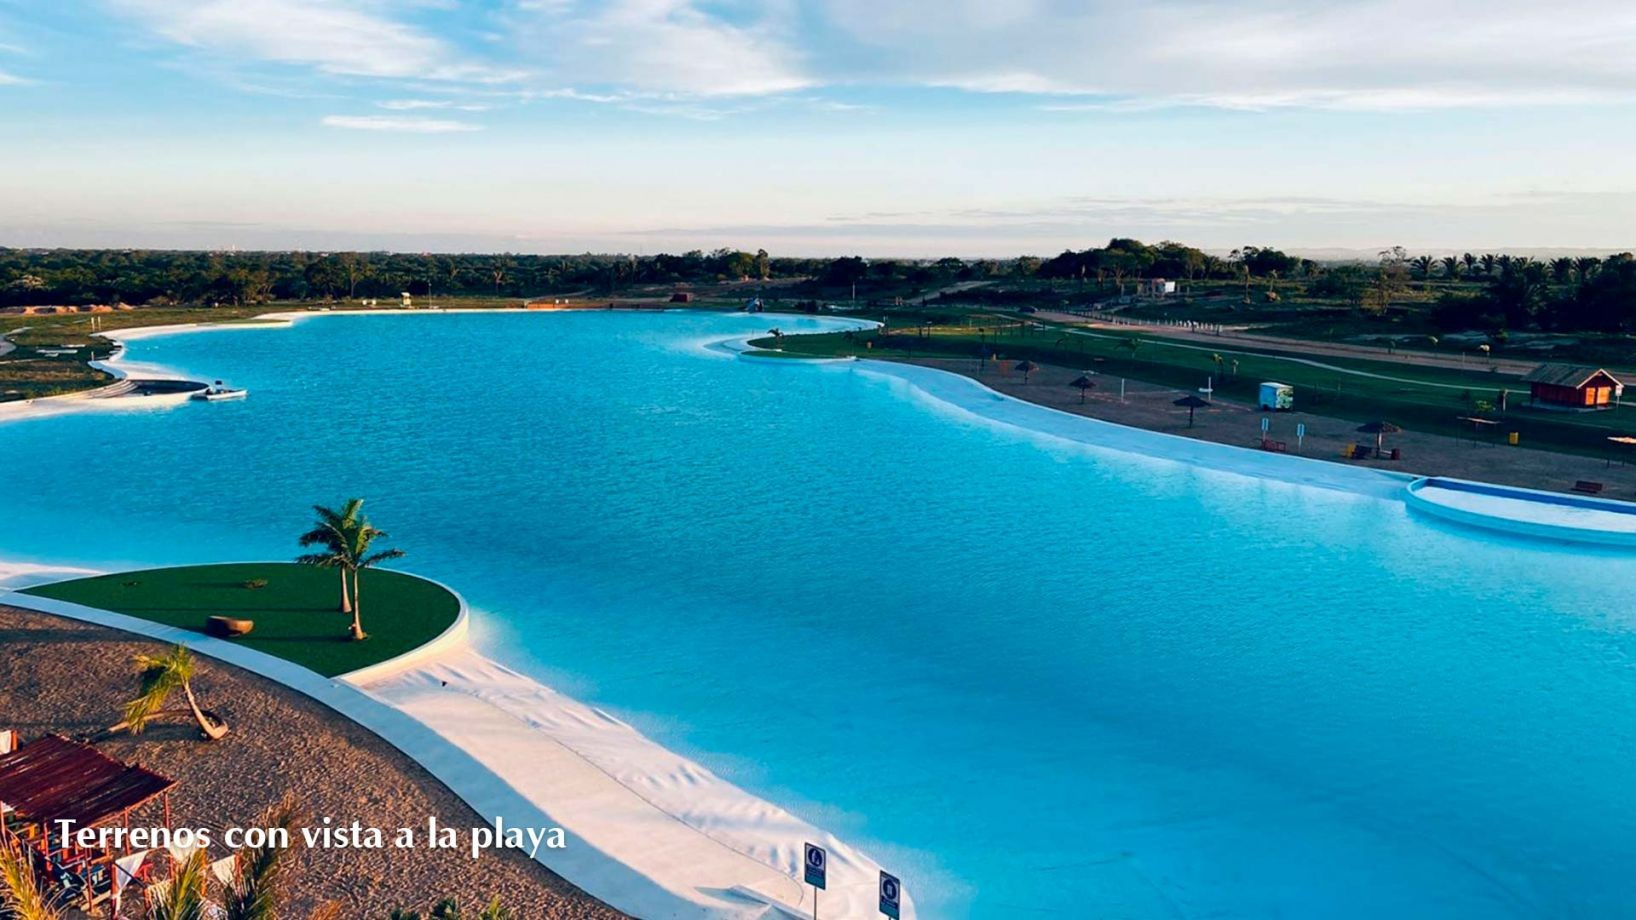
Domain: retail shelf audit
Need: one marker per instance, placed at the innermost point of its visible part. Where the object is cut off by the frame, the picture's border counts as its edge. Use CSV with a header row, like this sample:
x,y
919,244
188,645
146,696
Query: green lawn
x,y
295,613
1428,399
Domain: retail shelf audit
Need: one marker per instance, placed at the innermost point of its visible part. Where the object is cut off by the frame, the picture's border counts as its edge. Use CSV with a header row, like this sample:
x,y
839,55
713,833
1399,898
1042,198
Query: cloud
x,y
703,58
665,47
1250,54
410,105
399,124
7,79
343,37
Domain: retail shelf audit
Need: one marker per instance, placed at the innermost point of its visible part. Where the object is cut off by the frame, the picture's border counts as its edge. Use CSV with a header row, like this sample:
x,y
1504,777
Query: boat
x,y
219,393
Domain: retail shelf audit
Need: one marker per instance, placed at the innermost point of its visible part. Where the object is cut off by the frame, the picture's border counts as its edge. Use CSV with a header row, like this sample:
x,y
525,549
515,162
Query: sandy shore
x,y
1149,406
71,677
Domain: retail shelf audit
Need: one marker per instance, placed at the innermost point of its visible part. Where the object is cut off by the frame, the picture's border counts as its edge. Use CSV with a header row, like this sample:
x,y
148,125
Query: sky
x,y
817,127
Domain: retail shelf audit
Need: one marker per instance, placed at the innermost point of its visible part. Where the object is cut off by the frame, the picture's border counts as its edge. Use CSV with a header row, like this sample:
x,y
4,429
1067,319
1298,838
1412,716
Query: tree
x,y
353,554
1585,267
1451,267
330,531
1518,292
256,890
161,676
186,895
500,270
1423,266
354,268
1562,269
22,897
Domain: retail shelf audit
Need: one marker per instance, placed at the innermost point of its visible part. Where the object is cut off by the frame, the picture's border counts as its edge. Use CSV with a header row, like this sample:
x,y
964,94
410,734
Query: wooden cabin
x,y
1572,386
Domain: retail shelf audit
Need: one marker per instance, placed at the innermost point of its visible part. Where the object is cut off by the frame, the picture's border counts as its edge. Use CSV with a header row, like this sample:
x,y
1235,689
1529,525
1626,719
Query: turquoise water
x,y
1033,678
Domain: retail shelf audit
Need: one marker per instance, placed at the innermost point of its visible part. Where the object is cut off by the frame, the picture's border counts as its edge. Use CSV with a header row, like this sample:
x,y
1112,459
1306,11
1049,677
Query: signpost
x,y
891,894
815,863
1300,434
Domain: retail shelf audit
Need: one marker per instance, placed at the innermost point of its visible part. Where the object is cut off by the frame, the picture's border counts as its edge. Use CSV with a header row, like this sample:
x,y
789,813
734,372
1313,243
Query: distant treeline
x,y
1491,291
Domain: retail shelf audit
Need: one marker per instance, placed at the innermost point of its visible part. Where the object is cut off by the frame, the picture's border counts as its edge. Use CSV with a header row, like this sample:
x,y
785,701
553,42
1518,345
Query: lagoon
x,y
1034,678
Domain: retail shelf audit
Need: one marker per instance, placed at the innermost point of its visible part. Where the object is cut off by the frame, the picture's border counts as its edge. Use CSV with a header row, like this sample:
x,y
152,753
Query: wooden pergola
x,y
53,779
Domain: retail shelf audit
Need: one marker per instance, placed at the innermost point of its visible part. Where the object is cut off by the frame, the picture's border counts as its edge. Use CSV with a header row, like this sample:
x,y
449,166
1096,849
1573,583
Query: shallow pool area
x,y
1545,515
1032,675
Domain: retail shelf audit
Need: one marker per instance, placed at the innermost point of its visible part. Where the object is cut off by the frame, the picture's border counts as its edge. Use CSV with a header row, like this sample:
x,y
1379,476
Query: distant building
x,y
1572,386
1159,287
682,297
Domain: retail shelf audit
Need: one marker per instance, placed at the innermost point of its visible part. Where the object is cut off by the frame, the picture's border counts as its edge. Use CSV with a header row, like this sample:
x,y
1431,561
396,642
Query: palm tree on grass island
x,y
347,537
330,531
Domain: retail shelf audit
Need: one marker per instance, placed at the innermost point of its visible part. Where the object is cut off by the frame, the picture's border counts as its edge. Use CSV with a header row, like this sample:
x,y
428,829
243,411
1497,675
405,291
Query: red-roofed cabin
x,y
1568,386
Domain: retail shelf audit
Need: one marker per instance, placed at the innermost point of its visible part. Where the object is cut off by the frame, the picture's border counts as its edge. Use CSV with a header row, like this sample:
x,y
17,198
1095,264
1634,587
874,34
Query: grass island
x,y
294,608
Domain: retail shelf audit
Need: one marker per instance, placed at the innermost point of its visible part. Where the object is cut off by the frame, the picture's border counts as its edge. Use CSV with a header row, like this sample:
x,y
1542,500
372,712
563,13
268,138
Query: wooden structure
x,y
1572,386
53,779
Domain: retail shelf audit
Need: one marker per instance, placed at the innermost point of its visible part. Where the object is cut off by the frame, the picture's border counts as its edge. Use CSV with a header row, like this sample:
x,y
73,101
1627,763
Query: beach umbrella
x,y
1380,429
1193,403
1025,368
1083,383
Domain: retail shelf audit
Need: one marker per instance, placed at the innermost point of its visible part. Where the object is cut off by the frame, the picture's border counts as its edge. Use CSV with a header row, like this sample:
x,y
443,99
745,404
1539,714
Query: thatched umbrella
x,y
1026,368
1083,383
1380,429
1193,403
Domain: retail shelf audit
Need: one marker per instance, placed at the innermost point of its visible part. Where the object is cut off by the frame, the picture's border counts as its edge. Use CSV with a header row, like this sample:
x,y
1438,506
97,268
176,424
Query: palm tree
x,y
1451,267
330,531
255,891
1586,266
1469,261
161,676
184,895
1562,269
21,895
357,557
1423,266
1487,261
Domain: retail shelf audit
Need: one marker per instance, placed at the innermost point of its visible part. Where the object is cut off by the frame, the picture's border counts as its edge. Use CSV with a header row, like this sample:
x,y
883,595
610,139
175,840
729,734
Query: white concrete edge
x,y
982,401
451,639
1515,525
471,781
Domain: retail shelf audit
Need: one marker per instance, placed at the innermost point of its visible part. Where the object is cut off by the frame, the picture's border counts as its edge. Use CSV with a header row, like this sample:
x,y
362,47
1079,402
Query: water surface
x,y
1036,679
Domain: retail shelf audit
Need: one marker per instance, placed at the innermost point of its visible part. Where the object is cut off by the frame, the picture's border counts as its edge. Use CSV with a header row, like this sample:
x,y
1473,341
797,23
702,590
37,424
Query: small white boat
x,y
219,393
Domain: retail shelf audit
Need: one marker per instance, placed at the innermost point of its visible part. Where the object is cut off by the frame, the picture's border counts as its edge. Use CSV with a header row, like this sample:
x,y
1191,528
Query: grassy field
x,y
1420,398
295,612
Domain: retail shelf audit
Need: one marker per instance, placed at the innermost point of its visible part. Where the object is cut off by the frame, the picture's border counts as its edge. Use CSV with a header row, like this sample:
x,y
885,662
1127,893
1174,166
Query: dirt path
x,y
1149,406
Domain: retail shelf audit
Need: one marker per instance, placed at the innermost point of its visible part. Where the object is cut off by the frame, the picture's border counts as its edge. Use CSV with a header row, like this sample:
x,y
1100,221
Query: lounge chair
x,y
1587,487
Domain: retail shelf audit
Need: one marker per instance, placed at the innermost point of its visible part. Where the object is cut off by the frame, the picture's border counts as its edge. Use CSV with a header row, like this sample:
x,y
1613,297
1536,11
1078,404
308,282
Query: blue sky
x,y
816,126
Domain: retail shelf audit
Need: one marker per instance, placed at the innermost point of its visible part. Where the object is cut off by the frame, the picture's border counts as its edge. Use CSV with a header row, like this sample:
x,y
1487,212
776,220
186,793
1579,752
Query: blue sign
x,y
817,863
891,894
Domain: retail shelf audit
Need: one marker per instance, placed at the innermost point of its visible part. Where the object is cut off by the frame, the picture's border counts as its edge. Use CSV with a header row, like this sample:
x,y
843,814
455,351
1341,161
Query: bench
x,y
1587,487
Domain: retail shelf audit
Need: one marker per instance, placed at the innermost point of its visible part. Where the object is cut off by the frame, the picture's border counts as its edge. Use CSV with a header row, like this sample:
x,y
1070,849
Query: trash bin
x,y
1511,439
